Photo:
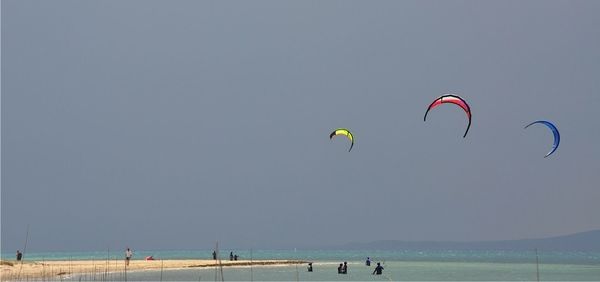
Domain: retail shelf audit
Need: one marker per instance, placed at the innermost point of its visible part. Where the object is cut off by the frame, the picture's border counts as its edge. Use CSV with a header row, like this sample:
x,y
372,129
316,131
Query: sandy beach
x,y
13,270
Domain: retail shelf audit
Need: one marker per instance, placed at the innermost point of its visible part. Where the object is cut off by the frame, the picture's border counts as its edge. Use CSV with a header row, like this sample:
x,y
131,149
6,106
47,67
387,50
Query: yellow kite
x,y
345,132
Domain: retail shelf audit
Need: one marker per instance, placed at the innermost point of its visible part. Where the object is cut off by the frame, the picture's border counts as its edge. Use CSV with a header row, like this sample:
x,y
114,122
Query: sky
x,y
175,124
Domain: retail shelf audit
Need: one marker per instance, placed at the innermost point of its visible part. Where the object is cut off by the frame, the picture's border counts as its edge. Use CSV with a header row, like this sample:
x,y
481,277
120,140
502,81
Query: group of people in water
x,y
343,267
231,256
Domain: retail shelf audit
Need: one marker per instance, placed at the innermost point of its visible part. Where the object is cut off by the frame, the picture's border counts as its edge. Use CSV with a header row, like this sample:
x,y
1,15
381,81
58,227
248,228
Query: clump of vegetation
x,y
3,262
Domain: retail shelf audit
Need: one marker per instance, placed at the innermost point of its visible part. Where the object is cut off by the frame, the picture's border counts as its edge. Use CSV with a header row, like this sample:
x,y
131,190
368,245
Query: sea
x,y
408,265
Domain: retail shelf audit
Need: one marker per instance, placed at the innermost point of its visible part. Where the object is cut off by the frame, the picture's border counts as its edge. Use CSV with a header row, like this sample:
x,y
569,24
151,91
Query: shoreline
x,y
14,270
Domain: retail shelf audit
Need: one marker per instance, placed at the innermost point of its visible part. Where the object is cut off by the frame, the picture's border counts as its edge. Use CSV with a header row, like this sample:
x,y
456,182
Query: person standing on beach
x,y
378,270
340,268
214,255
230,255
19,255
345,268
128,255
368,262
310,267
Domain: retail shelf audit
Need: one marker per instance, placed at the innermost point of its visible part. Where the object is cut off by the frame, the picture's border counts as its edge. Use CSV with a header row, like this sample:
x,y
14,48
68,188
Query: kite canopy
x,y
554,132
452,99
345,132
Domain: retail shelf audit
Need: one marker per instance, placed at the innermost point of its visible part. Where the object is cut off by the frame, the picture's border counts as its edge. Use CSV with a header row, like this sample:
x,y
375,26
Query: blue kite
x,y
554,131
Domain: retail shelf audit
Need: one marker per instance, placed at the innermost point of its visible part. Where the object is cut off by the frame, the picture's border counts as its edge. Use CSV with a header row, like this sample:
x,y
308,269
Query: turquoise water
x,y
394,271
399,265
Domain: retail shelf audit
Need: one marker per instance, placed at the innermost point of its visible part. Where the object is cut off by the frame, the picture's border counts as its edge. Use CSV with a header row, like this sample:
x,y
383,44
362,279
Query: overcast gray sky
x,y
172,124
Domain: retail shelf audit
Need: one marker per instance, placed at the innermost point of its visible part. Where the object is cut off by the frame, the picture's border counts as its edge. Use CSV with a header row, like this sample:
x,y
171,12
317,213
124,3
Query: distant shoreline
x,y
588,241
14,270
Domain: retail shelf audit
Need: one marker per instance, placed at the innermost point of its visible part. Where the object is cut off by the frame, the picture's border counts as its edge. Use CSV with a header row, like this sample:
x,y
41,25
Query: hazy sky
x,y
173,124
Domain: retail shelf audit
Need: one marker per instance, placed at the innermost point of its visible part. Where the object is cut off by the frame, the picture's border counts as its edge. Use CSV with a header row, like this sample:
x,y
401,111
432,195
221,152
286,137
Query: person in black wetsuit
x,y
310,267
378,270
368,262
340,268
345,268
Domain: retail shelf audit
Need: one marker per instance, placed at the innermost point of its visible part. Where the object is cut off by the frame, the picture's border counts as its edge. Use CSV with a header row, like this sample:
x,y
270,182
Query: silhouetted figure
x,y
378,270
310,267
340,268
235,257
214,255
19,255
345,268
368,262
230,255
